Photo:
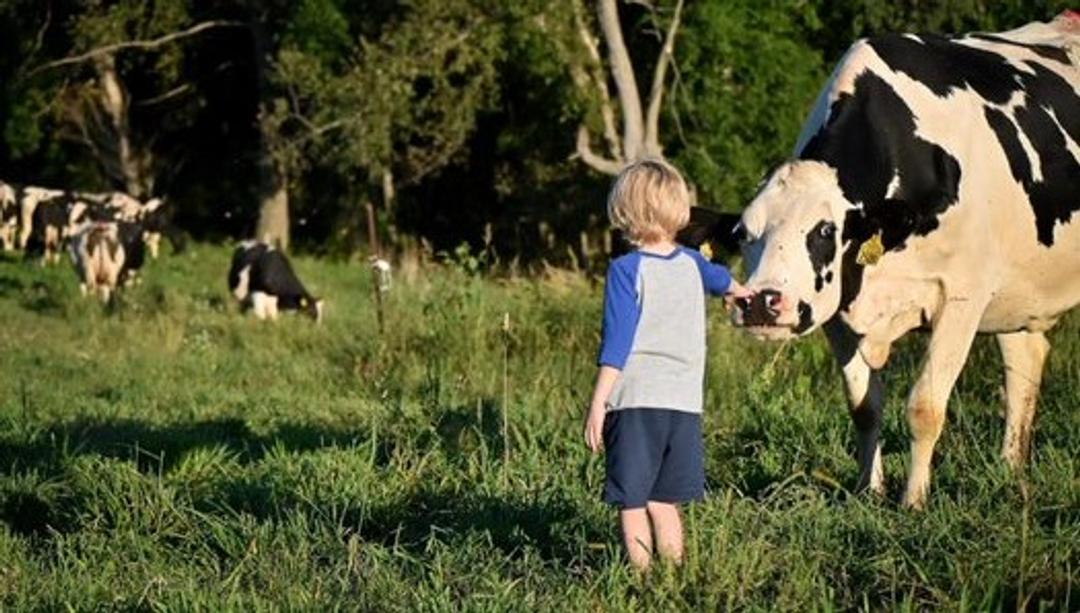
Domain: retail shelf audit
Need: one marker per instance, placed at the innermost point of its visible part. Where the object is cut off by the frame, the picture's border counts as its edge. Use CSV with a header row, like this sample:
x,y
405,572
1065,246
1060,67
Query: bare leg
x,y
865,400
1024,354
637,537
953,332
667,524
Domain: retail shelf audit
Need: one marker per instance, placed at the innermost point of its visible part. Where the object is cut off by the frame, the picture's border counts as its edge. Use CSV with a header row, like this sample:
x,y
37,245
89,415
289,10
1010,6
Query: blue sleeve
x,y
622,311
715,278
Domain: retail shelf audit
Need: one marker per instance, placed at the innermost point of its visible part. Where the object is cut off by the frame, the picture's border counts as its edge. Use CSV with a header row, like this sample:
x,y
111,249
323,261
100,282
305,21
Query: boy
x,y
646,405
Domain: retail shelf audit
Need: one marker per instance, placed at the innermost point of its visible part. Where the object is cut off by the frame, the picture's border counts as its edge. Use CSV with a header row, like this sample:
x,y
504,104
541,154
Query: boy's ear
x,y
716,229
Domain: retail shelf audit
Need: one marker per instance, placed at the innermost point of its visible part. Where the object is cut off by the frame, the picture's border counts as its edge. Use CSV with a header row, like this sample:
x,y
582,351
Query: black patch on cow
x,y
1009,138
821,245
870,140
851,272
243,257
1047,51
1056,197
720,230
131,237
806,318
943,65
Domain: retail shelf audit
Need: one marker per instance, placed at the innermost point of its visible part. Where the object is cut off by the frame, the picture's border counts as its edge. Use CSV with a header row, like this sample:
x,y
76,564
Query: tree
x,y
390,108
640,135
748,77
92,103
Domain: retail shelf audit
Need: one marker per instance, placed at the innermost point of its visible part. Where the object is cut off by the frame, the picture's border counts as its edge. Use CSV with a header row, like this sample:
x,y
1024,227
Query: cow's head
x,y
792,244
312,307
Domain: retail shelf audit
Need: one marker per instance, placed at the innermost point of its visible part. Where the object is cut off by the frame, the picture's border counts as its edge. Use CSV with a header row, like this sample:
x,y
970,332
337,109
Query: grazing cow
x,y
99,258
29,200
9,215
936,185
262,279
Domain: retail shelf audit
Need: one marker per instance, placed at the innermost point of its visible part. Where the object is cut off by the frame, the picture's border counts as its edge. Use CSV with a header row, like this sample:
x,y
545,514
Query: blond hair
x,y
649,201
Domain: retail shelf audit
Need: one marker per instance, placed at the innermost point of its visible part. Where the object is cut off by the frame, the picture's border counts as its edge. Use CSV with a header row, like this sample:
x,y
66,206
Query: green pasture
x,y
167,453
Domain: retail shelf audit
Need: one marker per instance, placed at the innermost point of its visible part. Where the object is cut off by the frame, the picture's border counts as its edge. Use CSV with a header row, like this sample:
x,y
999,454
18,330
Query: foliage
x,y
738,105
470,105
168,453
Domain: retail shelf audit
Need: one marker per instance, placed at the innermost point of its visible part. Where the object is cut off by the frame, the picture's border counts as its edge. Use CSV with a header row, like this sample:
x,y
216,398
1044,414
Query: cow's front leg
x,y
865,399
953,332
1024,354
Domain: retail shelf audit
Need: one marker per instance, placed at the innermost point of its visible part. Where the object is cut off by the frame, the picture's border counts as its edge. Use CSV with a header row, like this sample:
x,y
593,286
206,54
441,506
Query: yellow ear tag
x,y
706,250
303,303
871,250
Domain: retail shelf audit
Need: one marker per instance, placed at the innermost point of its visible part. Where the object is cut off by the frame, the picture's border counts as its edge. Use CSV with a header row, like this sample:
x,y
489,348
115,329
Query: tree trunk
x,y
273,223
119,156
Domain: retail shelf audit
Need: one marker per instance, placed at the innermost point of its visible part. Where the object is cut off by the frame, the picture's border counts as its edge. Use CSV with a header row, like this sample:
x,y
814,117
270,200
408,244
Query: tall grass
x,y
168,453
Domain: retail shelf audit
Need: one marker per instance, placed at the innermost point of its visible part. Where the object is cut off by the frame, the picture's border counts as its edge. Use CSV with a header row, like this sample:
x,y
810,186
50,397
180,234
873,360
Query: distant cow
x,y
99,257
29,198
936,185
261,278
9,216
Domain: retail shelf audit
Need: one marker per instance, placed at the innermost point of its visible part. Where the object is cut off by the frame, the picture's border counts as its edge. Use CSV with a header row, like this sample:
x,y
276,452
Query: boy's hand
x,y
736,291
594,428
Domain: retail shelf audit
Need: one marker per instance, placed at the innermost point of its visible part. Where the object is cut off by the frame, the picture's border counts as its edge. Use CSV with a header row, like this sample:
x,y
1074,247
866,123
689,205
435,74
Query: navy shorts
x,y
653,454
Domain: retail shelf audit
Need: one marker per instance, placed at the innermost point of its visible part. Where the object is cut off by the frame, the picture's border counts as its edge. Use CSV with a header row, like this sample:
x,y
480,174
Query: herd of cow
x,y
109,234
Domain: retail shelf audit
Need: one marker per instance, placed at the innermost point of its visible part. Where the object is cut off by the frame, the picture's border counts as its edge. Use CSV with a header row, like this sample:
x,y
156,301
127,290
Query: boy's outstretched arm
x,y
594,419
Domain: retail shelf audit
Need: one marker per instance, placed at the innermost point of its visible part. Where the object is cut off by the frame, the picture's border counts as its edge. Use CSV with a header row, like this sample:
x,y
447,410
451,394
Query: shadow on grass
x,y
553,526
160,447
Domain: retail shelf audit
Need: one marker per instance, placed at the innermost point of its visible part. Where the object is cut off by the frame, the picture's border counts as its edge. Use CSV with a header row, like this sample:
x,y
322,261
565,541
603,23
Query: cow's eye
x,y
740,234
827,230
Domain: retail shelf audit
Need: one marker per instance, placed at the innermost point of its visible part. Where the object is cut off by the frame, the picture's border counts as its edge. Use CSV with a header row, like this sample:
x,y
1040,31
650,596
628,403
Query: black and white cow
x,y
935,185
9,215
262,279
29,198
99,258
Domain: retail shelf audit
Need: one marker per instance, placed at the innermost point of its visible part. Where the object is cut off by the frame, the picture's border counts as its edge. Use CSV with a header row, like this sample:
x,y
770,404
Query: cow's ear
x,y
710,227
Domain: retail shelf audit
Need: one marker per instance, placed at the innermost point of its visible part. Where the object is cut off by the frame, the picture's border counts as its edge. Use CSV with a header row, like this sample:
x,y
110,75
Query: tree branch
x,y
656,94
607,111
172,93
594,161
625,82
136,44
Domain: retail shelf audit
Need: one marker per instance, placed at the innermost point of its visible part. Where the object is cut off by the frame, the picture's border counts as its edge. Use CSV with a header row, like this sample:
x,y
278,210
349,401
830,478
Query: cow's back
x,y
964,153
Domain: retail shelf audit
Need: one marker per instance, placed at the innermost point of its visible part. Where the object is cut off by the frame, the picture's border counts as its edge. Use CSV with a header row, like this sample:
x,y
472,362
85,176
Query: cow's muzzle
x,y
762,309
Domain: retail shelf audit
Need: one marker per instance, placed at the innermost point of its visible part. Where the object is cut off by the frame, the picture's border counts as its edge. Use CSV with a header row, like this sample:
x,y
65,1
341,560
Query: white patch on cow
x,y
241,289
264,306
894,185
7,196
1070,144
153,243
152,205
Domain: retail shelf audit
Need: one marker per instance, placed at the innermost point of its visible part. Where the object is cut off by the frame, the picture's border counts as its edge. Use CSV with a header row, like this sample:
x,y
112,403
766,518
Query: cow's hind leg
x,y
950,342
1024,354
865,398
